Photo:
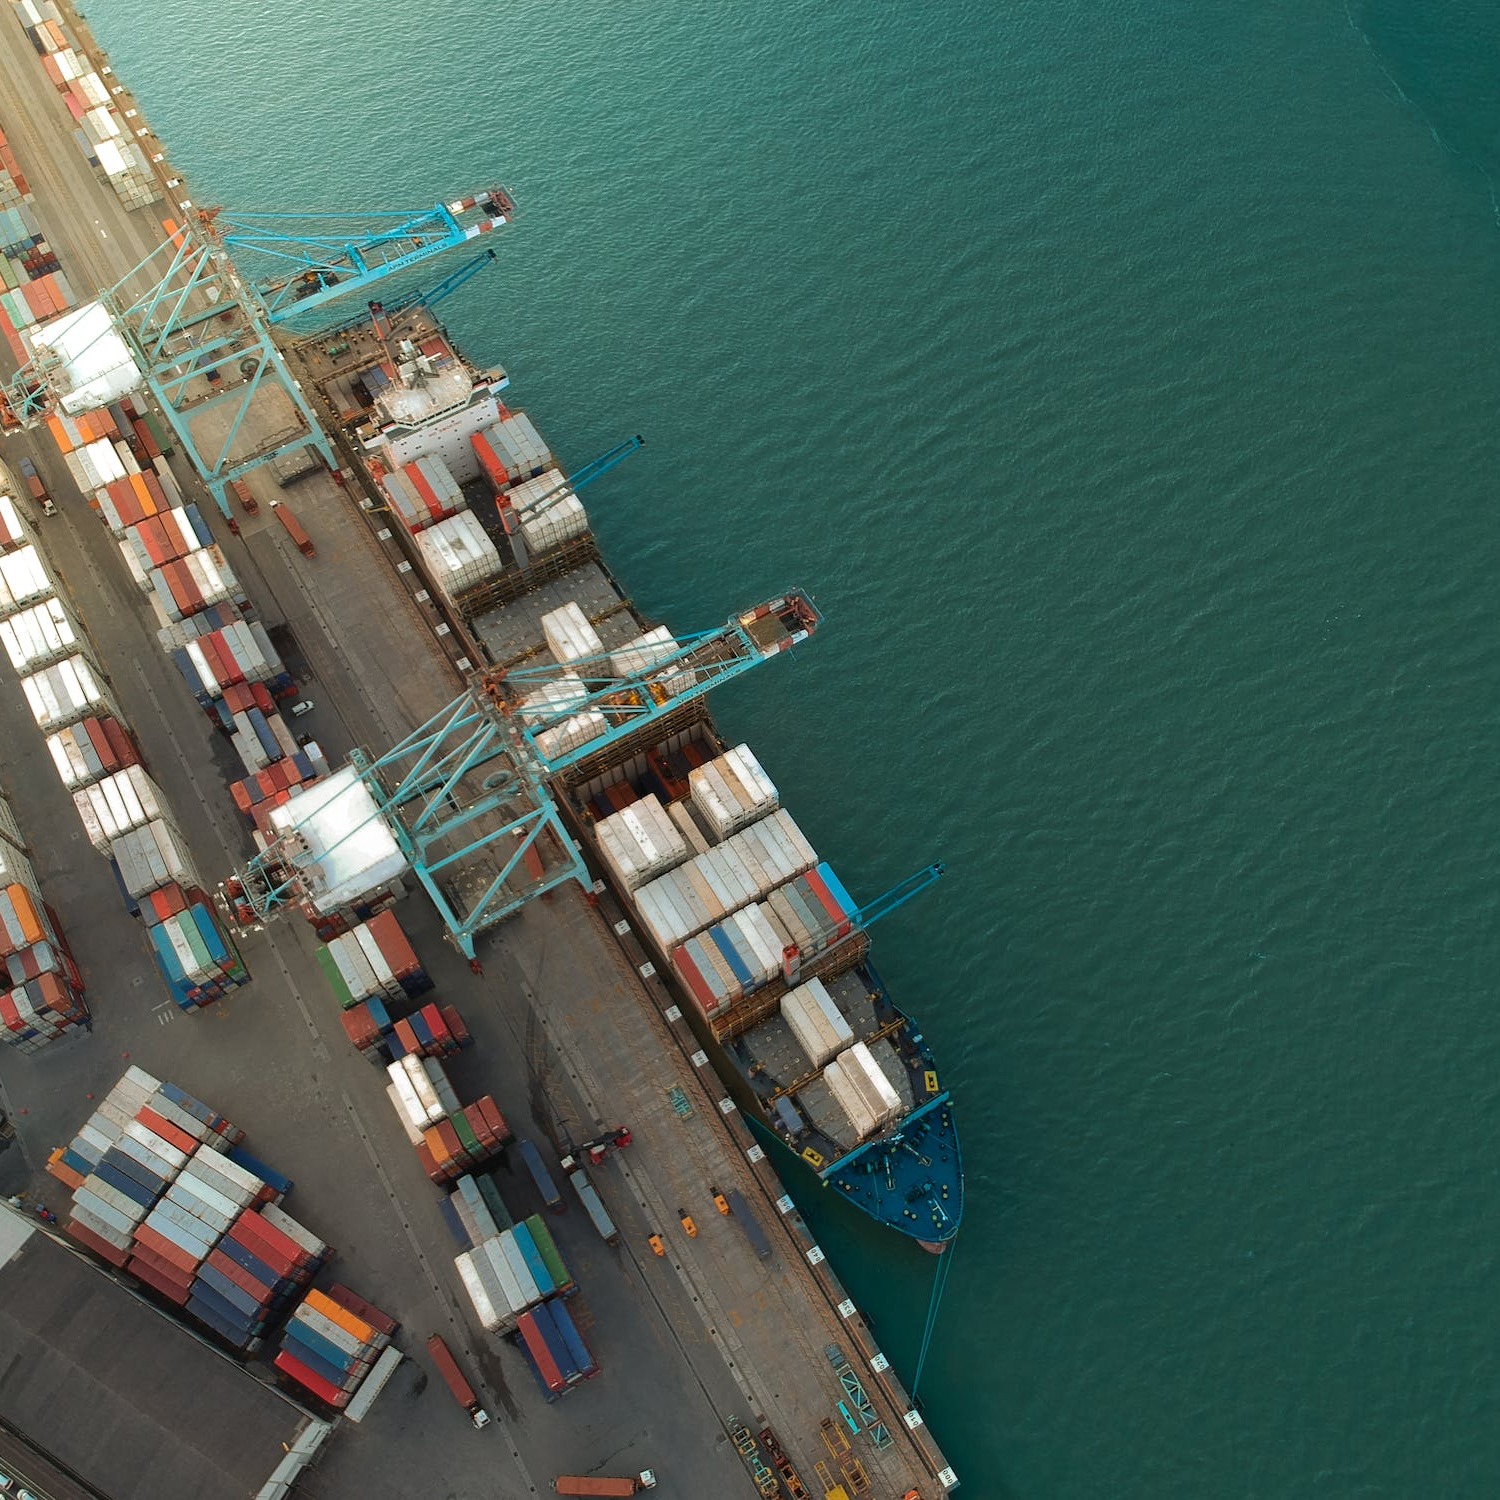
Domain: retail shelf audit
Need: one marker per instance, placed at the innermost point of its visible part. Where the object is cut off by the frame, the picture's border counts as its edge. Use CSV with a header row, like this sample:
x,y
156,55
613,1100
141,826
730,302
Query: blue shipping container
x,y
534,1262
268,1175
582,1358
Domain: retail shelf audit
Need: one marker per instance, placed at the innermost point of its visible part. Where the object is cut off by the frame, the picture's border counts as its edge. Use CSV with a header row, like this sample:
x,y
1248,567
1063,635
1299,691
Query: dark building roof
x,y
119,1393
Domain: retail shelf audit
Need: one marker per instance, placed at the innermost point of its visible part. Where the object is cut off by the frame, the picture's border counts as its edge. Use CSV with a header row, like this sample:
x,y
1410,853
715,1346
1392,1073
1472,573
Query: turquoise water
x,y
1121,380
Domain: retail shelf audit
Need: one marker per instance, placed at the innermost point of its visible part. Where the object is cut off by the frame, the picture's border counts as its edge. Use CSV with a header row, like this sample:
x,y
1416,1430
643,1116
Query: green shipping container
x,y
335,979
547,1248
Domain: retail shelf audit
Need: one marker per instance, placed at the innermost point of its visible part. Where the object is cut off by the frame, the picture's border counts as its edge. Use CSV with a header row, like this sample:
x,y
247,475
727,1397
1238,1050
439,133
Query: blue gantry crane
x,y
468,796
196,319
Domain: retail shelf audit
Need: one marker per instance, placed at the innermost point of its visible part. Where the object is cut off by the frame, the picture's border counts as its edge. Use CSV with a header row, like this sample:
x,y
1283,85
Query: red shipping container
x,y
120,742
353,1302
91,1241
147,1238
407,1037
455,1024
394,947
490,462
495,1118
99,739
541,1355
429,1164
435,1023
162,1266
273,1239
483,1131
263,699
290,1365
688,972
156,1281
172,1134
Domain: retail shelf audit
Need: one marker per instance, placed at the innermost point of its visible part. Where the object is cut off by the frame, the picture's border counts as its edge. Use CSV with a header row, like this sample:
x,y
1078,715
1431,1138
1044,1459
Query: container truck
x,y
454,1379
293,528
576,1484
594,1206
540,1176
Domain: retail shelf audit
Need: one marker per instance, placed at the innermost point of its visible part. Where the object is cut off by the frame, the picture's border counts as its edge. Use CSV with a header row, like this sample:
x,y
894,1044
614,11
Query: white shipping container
x,y
560,521
39,635
23,579
816,1022
862,1091
64,693
13,529
413,1131
640,842
569,635
490,1317
112,807
457,553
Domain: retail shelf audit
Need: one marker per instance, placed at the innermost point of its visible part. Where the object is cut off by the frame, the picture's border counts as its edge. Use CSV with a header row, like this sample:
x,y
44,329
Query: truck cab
x,y
36,489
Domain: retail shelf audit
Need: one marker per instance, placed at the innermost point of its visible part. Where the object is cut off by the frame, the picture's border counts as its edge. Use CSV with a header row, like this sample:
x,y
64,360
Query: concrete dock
x,y
571,1037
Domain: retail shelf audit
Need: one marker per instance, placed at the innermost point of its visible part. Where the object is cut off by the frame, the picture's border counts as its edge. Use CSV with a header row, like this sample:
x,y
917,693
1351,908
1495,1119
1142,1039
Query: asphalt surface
x,y
566,1039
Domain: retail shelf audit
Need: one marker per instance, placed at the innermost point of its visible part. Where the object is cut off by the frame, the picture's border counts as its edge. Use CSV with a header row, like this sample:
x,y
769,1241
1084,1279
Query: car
x,y
306,706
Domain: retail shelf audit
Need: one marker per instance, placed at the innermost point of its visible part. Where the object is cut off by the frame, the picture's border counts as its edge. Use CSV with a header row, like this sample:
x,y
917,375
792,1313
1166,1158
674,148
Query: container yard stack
x,y
554,1349
32,285
330,1351
105,137
449,1138
373,961
163,1190
42,994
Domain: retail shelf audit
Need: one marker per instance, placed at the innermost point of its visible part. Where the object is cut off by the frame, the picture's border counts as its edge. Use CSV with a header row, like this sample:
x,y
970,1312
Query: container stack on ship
x,y
755,929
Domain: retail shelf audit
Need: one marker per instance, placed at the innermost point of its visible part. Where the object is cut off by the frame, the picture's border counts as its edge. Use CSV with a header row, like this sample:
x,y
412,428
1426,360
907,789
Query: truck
x,y
456,1382
293,528
598,1484
36,489
243,495
593,1206
540,1176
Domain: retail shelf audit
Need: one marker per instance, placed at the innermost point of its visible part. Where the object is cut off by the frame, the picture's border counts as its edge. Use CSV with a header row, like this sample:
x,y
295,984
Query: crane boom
x,y
562,723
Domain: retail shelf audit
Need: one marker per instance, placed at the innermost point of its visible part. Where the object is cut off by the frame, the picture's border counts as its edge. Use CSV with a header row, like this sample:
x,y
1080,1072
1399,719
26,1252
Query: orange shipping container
x,y
340,1315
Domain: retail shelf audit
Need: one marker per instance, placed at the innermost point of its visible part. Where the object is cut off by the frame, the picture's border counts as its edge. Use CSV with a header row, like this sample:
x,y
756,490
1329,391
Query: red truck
x,y
293,528
575,1484
454,1379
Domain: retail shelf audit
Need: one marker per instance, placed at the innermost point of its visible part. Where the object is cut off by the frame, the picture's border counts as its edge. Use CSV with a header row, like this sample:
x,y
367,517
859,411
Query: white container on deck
x,y
640,842
863,1092
732,791
117,804
547,512
816,1022
458,554
570,637
64,693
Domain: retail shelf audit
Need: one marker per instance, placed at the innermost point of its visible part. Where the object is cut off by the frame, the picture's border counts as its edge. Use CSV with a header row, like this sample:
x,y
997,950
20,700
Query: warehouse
x,y
123,1401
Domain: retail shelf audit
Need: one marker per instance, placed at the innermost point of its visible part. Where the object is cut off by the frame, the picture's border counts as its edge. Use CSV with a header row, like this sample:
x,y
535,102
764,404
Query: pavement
x,y
569,1039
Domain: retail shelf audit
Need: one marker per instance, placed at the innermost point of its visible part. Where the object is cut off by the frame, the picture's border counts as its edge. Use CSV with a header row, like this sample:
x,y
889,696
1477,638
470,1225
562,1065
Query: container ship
x,y
753,929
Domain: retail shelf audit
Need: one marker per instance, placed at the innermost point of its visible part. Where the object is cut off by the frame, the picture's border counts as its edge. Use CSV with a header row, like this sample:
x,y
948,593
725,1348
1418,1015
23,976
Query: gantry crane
x,y
194,321
474,785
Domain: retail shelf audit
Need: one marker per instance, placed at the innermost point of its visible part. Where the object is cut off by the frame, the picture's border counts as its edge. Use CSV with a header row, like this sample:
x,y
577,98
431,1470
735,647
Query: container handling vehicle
x,y
455,1380
598,1484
